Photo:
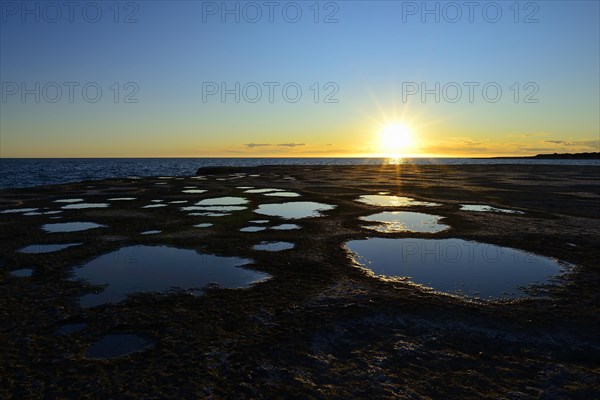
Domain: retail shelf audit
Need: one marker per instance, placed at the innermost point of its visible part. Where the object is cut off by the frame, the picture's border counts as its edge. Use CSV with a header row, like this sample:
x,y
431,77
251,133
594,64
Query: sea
x,y
28,172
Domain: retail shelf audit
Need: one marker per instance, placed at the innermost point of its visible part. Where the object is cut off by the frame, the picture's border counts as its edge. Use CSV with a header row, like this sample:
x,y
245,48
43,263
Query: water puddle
x,y
208,214
214,208
80,206
122,199
69,329
155,205
244,187
204,225
457,266
259,221
392,201
217,207
193,191
223,201
156,201
253,229
273,246
294,210
405,221
118,345
46,248
18,210
22,273
283,194
286,227
178,202
71,227
486,208
68,200
151,232
158,268
266,190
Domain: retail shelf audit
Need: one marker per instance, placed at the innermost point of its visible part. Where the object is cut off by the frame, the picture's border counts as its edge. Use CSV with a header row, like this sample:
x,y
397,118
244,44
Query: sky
x,y
298,79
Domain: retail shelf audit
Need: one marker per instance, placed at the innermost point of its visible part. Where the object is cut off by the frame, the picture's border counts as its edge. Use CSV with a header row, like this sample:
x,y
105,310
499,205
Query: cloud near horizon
x,y
592,144
253,145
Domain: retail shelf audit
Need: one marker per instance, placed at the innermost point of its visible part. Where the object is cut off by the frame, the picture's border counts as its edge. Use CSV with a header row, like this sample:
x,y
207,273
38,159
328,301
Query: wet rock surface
x,y
321,327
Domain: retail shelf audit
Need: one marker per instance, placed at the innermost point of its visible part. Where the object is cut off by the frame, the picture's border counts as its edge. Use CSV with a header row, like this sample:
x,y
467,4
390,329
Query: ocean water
x,y
26,172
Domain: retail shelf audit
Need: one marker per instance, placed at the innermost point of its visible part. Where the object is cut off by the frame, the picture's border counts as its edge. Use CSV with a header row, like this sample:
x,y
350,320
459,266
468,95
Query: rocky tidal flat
x,y
312,320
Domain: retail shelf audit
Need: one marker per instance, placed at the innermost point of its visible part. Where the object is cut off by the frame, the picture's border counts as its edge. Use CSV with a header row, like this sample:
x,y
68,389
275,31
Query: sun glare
x,y
396,139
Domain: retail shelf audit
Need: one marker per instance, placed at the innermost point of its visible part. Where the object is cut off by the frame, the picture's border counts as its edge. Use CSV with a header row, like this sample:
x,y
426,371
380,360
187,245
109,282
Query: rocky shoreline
x,y
321,326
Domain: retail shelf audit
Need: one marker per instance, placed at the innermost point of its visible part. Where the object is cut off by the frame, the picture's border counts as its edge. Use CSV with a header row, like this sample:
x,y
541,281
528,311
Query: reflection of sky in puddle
x,y
217,207
392,201
286,227
223,201
214,208
151,232
118,345
204,225
122,199
405,221
294,210
208,214
485,208
71,226
68,200
46,248
80,206
259,221
273,246
22,273
253,229
196,191
159,268
18,210
266,190
156,205
456,266
283,194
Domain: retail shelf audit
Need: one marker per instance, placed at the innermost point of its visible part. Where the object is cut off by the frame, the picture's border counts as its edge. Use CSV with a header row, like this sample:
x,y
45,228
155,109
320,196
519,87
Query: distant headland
x,y
562,156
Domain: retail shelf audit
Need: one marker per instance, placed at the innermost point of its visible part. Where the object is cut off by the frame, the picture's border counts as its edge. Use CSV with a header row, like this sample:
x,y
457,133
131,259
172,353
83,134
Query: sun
x,y
396,139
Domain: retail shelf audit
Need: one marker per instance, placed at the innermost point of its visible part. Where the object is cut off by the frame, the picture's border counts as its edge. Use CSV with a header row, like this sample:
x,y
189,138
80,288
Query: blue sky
x,y
367,54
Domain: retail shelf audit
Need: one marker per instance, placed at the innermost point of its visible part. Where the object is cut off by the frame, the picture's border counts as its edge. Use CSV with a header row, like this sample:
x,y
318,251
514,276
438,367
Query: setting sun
x,y
396,139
